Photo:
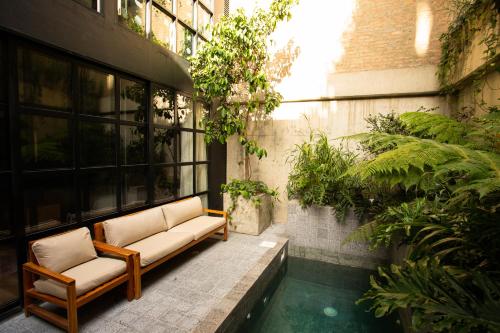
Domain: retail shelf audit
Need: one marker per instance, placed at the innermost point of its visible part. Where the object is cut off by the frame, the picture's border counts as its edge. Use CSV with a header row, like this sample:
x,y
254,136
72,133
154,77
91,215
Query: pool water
x,y
312,296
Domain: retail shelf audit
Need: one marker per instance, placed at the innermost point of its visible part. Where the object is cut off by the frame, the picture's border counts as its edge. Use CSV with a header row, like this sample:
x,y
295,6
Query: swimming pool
x,y
312,296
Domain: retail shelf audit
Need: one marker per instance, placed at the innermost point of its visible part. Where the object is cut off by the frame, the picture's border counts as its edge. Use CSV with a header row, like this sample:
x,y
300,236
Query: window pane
x,y
199,43
48,202
98,192
3,73
163,106
162,29
165,187
201,112
204,21
134,192
43,80
90,3
45,142
4,140
184,41
97,93
97,144
185,111
168,4
201,177
201,147
164,143
204,200
186,146
186,180
8,272
185,11
132,101
5,206
133,144
132,14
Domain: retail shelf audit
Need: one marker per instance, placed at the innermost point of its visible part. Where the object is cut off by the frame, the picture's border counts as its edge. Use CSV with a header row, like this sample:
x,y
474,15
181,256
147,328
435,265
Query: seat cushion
x,y
158,246
129,229
199,226
182,211
88,276
61,252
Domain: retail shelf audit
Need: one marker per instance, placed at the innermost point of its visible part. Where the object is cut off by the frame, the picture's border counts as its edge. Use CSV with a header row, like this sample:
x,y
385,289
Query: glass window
x,y
3,73
184,41
134,192
201,177
164,145
168,4
199,43
165,186
43,80
98,192
132,101
163,106
186,146
45,142
5,206
97,144
162,29
186,180
133,144
204,200
202,111
4,140
204,21
93,4
97,93
185,11
132,13
48,202
8,272
185,111
201,147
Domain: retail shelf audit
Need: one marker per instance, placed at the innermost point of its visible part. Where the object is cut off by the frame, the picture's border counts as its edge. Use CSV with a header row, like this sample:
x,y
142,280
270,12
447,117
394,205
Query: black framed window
x,y
134,190
97,143
97,92
98,192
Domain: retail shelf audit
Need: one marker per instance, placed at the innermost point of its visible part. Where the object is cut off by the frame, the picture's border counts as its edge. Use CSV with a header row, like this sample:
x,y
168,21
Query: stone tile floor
x,y
175,296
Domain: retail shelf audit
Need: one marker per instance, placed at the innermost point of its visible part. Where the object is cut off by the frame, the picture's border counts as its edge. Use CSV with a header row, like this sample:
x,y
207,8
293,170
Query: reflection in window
x,y
133,144
164,145
133,14
167,4
8,273
5,206
162,29
186,146
185,111
184,41
43,80
185,11
202,111
186,180
48,202
97,93
201,147
134,192
98,192
201,177
97,144
165,186
45,142
132,101
163,106
204,21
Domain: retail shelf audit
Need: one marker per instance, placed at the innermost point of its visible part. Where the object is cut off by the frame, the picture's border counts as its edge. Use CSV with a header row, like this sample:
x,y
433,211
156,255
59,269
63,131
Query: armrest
x,y
213,211
42,271
111,249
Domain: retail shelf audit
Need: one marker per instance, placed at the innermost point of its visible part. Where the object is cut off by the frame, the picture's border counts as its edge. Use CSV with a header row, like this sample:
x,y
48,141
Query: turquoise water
x,y
312,296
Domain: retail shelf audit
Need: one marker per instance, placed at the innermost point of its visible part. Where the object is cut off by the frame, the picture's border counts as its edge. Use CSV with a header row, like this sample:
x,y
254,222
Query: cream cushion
x,y
129,229
182,211
199,226
61,252
88,276
158,246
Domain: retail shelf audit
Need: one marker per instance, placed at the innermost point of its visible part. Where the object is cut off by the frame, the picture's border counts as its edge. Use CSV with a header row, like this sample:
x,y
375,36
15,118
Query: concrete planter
x,y
314,233
249,219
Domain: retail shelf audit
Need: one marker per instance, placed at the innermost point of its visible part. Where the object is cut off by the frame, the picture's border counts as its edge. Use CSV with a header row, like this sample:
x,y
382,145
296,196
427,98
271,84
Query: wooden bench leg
x,y
137,276
225,233
27,284
72,309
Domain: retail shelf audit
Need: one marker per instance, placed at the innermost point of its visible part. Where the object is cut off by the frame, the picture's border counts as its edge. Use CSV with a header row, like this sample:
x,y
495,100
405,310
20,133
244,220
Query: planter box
x,y
248,219
315,233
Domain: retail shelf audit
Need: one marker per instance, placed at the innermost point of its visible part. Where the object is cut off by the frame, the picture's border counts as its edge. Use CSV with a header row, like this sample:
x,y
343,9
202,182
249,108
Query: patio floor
x,y
176,296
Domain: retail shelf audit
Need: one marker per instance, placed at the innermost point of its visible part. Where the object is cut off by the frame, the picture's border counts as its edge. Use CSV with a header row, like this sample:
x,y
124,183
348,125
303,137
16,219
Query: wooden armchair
x,y
69,286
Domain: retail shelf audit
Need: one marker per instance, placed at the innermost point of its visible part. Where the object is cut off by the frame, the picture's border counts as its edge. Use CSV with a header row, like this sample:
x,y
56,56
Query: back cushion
x,y
129,229
64,251
182,211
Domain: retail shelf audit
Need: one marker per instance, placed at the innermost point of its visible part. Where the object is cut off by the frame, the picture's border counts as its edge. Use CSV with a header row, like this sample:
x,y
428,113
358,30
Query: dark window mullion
x,y
118,146
150,141
75,86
